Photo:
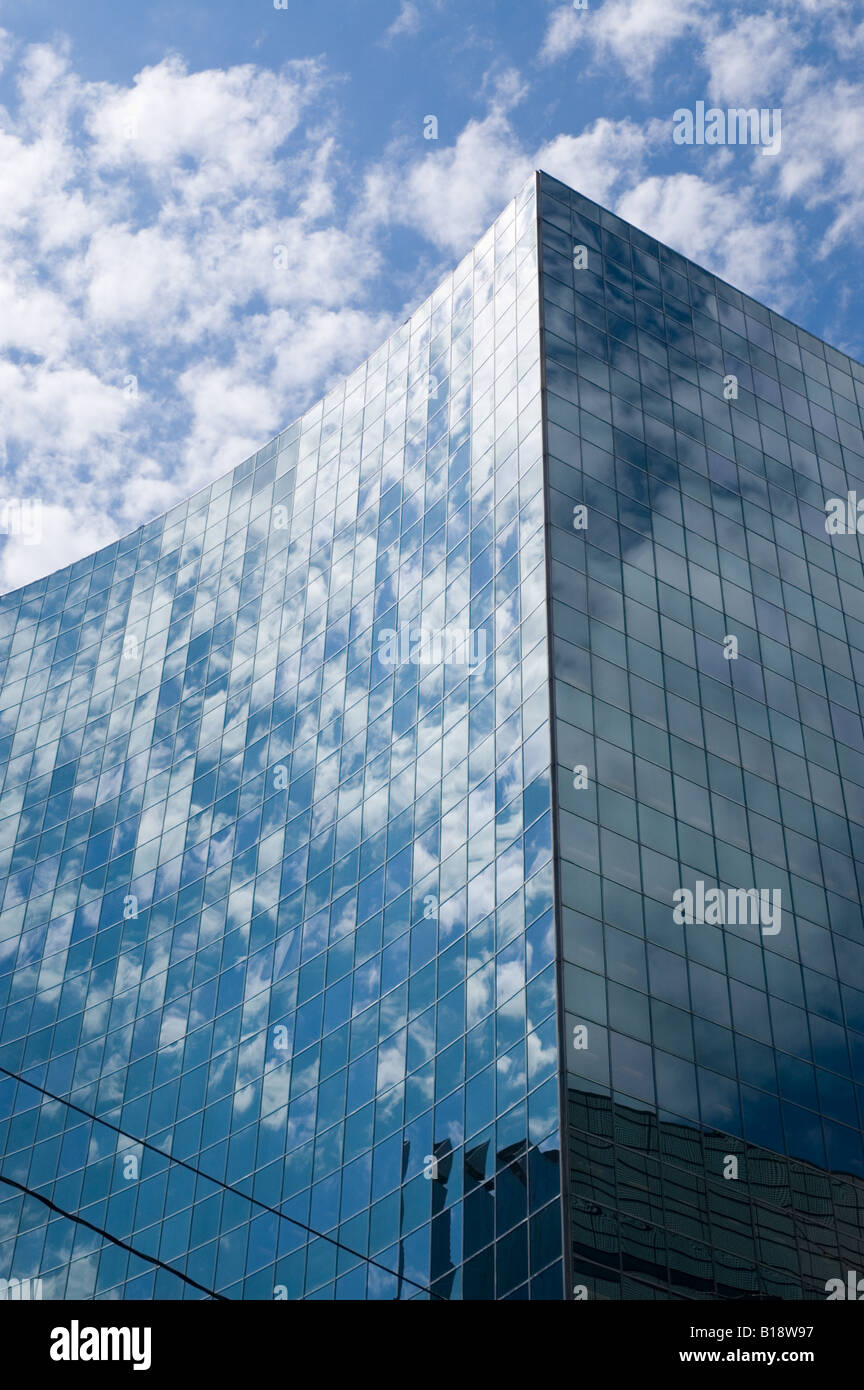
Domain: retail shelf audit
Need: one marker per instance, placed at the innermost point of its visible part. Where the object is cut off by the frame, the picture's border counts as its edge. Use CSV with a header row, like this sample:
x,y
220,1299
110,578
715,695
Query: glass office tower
x,y
347,810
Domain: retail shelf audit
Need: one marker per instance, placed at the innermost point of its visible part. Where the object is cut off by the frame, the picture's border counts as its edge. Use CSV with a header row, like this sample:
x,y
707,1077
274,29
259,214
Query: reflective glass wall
x,y
277,957
289,930
708,689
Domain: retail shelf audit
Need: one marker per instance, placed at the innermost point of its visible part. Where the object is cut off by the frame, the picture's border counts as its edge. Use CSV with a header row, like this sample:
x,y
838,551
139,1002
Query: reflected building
x,y
343,808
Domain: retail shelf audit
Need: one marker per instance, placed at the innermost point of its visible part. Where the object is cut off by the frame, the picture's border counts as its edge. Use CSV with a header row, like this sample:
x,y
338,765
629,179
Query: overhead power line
x,y
115,1240
228,1187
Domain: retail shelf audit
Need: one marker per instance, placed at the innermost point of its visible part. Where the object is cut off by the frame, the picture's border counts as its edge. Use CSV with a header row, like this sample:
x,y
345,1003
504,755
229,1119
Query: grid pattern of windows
x,y
309,844
277,890
694,439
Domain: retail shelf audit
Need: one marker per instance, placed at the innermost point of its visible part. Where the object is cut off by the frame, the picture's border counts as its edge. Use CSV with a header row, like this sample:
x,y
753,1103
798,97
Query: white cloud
x,y
233,409
32,319
68,403
823,155
720,228
205,134
450,196
564,32
634,32
7,46
407,21
182,231
763,58
391,1064
173,1027
820,7
65,536
410,19
204,233
751,61
605,157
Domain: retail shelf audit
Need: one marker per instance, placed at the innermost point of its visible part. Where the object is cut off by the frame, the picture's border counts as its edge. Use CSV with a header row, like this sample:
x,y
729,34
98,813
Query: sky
x,y
212,212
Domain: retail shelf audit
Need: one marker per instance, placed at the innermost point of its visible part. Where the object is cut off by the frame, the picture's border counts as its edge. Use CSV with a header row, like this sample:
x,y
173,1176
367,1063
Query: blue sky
x,y
152,156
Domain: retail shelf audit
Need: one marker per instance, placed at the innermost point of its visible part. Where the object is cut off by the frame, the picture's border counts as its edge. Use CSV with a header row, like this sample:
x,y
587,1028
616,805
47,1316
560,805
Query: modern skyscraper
x,y
433,852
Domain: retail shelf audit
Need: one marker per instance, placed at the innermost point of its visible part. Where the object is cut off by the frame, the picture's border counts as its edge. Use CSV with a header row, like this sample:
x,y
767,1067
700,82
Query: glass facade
x,y
278,887
343,809
708,687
